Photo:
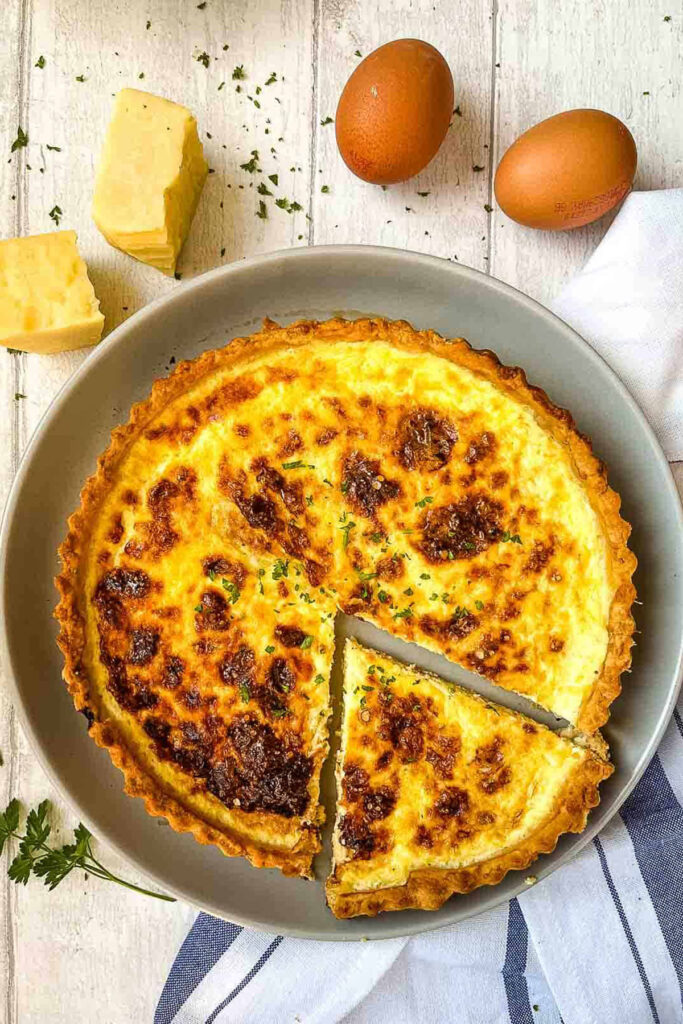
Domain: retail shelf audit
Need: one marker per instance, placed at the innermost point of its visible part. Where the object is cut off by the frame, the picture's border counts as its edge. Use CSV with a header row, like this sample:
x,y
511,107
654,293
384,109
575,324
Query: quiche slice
x,y
440,792
355,465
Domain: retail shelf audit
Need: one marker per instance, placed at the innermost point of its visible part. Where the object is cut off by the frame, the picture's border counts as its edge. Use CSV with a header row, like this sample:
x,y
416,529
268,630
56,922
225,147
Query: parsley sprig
x,y
35,857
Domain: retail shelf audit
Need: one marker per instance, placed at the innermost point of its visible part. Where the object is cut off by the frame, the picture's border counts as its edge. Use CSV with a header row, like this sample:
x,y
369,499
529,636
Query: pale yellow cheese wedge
x,y
150,177
47,303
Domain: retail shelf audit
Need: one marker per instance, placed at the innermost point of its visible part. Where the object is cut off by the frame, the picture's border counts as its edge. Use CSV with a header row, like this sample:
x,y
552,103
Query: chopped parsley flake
x,y
405,613
297,464
262,212
263,189
319,679
346,530
18,396
376,537
239,73
203,58
306,642
20,141
261,574
327,120
479,605
273,178
383,596
325,189
40,63
80,78
280,569
54,149
199,608
423,501
269,649
55,214
425,576
232,589
272,77
244,692
251,166
511,538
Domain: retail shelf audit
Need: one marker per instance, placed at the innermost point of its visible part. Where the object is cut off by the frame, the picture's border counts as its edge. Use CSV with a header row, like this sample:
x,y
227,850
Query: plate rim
x,y
116,337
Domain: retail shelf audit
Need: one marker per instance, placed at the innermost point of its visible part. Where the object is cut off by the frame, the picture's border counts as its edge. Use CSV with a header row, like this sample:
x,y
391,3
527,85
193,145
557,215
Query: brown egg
x,y
567,171
394,111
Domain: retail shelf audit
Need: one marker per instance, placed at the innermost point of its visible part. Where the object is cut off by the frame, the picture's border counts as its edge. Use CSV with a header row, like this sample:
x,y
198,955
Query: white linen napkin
x,y
628,303
601,940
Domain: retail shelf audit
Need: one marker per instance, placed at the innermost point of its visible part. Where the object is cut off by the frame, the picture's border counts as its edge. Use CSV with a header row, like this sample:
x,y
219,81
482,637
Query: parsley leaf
x,y
35,857
55,214
423,501
306,642
40,63
346,530
239,73
232,589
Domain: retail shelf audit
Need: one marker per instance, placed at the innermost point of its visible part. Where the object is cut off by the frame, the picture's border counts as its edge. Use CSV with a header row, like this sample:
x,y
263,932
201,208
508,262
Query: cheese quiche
x,y
354,465
440,792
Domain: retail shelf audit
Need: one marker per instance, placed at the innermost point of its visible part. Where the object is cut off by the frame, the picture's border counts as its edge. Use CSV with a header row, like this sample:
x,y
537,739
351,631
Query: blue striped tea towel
x,y
601,940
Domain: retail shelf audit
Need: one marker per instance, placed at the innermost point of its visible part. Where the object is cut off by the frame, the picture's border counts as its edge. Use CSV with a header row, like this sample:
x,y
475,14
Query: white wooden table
x,y
90,951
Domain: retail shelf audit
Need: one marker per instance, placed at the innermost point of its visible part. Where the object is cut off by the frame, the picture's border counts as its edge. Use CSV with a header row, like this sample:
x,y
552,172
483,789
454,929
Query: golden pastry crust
x,y
270,342
429,888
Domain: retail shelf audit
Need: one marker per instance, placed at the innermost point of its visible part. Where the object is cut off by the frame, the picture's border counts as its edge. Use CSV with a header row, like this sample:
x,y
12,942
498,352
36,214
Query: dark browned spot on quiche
x,y
459,625
528,727
238,669
270,479
365,487
499,479
144,643
218,565
425,440
384,760
556,644
259,511
290,444
265,775
378,803
480,447
539,557
212,612
390,568
290,636
172,676
443,754
281,676
116,530
232,393
423,837
356,835
452,802
493,772
242,429
115,587
461,529
401,726
355,783
325,436
129,497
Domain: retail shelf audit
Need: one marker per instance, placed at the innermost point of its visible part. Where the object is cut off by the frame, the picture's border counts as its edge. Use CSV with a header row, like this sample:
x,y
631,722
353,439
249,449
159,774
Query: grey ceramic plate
x,y
206,312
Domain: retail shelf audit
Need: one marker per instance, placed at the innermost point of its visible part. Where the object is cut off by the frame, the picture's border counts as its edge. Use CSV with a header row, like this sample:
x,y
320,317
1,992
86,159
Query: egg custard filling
x,y
354,465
